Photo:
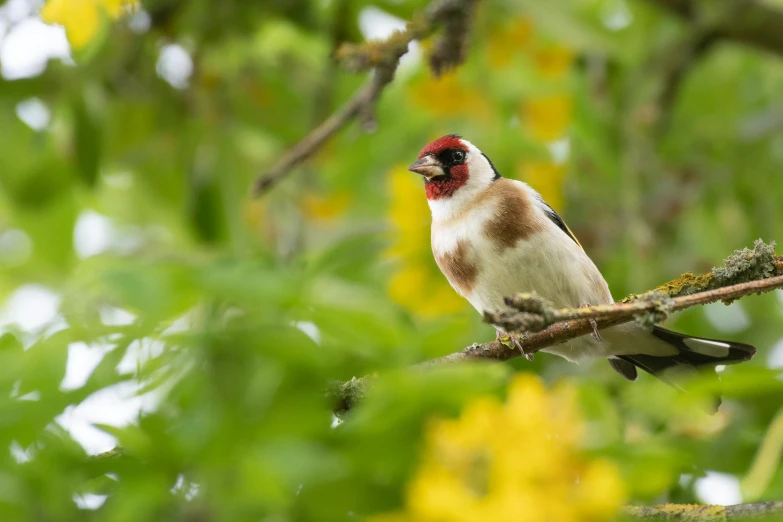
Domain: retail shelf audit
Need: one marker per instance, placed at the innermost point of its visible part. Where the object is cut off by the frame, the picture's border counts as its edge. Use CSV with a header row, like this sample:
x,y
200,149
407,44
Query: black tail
x,y
692,352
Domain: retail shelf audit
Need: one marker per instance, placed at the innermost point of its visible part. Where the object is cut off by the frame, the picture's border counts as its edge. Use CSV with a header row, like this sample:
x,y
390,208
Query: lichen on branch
x,y
704,513
345,395
742,266
449,50
528,312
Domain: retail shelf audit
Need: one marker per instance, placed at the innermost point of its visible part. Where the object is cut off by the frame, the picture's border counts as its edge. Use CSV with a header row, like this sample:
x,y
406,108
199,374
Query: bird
x,y
493,237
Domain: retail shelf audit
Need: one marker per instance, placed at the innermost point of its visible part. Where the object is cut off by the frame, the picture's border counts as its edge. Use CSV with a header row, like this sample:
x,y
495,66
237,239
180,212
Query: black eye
x,y
458,156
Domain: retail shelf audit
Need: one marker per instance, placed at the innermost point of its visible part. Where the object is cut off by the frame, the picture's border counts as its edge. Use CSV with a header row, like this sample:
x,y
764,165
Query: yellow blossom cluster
x,y
546,119
82,18
545,116
507,40
513,461
324,207
443,95
546,177
416,284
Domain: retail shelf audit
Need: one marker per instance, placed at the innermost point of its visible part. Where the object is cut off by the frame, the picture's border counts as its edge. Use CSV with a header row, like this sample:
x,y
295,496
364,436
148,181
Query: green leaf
x,y
88,135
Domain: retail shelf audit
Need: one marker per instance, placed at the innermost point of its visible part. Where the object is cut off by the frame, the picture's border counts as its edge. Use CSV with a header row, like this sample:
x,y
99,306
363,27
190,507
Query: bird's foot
x,y
518,343
595,333
513,341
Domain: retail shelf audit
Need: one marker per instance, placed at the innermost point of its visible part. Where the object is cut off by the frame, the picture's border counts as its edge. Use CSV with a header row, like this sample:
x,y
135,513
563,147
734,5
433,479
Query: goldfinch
x,y
493,237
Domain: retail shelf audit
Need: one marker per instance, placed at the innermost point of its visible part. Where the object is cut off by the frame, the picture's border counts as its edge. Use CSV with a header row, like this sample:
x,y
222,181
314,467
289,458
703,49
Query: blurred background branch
x,y
754,23
383,58
358,104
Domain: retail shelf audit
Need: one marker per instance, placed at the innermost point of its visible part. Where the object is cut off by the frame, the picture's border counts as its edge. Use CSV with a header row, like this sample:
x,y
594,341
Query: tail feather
x,y
625,368
699,351
692,352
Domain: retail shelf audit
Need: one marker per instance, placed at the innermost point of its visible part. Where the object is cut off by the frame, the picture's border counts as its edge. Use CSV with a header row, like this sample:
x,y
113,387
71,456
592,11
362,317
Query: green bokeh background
x,y
242,429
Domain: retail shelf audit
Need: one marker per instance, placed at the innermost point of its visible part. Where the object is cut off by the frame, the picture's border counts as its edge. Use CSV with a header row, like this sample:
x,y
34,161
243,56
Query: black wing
x,y
557,220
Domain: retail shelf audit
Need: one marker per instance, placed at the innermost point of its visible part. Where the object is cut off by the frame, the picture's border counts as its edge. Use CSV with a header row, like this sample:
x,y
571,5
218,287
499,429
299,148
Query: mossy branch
x,y
745,272
705,513
346,395
382,57
450,48
532,313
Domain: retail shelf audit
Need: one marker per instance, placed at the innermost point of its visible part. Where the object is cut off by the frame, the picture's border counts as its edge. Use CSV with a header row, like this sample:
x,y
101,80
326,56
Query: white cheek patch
x,y
481,171
708,348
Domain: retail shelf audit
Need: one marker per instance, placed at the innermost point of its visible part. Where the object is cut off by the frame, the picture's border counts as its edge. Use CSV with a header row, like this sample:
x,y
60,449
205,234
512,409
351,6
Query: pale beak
x,y
428,166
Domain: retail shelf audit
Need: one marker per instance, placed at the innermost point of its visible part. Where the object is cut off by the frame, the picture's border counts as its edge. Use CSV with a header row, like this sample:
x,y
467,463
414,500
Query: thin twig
x,y
756,24
679,59
676,60
384,58
313,141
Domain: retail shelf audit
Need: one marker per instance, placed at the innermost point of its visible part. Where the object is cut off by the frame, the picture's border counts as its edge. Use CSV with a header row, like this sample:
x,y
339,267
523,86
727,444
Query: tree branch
x,y
565,329
705,512
535,314
755,23
318,136
383,57
452,47
745,272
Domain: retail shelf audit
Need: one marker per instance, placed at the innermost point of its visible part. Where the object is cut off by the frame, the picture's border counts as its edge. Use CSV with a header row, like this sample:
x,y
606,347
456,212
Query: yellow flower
x,y
514,461
416,284
553,61
115,7
506,40
447,95
320,207
601,490
81,18
408,212
423,290
548,117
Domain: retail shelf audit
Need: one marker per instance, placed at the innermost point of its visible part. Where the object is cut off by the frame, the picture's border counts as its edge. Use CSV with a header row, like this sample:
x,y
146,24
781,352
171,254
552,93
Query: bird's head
x,y
450,164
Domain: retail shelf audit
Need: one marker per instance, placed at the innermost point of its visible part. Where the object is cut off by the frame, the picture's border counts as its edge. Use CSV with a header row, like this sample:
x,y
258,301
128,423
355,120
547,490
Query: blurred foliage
x,y
474,468
124,183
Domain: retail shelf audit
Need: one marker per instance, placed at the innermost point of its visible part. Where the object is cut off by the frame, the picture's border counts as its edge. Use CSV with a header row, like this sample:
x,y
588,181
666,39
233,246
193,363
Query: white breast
x,y
548,262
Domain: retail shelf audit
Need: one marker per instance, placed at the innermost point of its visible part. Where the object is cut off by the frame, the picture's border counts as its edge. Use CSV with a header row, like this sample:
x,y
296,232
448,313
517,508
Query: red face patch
x,y
456,172
446,186
446,142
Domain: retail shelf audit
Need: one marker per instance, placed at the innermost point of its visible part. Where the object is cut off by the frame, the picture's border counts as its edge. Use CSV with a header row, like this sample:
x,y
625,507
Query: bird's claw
x,y
595,333
518,343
